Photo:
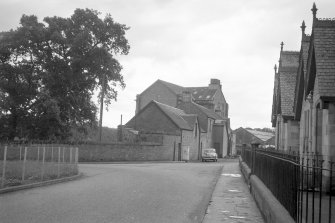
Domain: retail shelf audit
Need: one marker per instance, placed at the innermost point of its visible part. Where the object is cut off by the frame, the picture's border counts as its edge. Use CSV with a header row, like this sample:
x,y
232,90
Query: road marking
x,y
231,175
234,191
239,217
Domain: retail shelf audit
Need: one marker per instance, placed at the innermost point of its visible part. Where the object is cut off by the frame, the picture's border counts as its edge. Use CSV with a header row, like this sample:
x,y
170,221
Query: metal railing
x,y
304,185
23,164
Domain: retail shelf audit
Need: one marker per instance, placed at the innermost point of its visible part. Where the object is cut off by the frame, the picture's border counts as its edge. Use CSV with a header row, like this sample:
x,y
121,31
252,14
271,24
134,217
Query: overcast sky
x,y
188,42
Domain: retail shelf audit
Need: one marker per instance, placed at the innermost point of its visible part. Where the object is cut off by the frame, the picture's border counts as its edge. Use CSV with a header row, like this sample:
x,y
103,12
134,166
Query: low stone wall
x,y
272,210
125,152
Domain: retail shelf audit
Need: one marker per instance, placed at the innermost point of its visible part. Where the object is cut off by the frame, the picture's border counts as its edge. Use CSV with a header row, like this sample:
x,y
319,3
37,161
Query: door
x,y
218,149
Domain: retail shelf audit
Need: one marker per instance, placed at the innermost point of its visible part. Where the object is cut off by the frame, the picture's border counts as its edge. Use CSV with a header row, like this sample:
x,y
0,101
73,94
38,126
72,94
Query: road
x,y
142,192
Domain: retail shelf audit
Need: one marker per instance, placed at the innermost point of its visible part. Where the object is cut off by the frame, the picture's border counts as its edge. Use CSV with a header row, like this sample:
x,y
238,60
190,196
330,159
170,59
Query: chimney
x,y
187,96
215,84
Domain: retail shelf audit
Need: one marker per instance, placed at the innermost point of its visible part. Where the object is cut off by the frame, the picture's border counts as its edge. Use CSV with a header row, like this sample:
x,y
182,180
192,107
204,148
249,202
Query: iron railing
x,y
304,185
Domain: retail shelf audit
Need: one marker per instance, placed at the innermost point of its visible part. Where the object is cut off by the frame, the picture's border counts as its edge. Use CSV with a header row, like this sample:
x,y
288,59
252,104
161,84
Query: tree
x,y
49,72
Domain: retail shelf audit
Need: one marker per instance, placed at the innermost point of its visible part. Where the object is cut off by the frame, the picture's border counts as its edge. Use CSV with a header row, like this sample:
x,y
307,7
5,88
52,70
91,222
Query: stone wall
x,y
125,152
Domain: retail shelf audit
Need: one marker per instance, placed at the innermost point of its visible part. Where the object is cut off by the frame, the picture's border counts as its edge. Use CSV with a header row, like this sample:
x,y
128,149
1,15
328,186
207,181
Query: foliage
x,y
49,72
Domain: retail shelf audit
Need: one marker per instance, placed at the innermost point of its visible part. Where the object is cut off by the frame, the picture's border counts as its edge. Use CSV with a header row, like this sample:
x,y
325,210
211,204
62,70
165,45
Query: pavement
x,y
231,200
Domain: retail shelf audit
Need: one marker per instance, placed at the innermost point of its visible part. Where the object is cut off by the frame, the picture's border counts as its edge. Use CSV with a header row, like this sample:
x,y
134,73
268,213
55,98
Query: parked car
x,y
209,154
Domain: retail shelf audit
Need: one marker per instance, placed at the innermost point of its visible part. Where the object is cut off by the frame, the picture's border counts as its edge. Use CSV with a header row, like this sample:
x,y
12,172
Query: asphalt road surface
x,y
146,192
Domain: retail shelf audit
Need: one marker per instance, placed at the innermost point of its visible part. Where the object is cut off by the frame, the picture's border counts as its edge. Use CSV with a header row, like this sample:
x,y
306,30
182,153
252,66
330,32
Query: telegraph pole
x,y
101,99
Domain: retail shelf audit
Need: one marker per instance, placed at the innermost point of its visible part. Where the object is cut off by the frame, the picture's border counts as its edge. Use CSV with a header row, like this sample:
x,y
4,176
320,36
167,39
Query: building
x,y
248,136
314,101
210,97
287,129
214,128
171,127
208,103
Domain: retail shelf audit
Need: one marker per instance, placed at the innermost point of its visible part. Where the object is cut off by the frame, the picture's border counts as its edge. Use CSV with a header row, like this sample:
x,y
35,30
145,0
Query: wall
x,y
130,152
190,140
158,92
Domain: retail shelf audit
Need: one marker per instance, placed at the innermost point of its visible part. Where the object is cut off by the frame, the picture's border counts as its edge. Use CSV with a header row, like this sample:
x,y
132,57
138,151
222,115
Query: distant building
x,y
210,97
248,136
207,103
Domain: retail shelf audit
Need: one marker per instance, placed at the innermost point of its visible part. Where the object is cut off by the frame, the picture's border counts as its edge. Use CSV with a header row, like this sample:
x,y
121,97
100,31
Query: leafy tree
x,y
49,72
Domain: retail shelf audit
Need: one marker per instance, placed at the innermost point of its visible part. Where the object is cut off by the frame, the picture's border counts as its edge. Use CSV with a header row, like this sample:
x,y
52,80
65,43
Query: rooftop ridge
x,y
165,105
290,51
326,19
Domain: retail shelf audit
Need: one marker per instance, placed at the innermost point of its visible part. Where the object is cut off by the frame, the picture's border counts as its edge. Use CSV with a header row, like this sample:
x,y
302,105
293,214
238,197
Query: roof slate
x,y
202,113
324,45
198,93
202,93
287,80
264,136
175,114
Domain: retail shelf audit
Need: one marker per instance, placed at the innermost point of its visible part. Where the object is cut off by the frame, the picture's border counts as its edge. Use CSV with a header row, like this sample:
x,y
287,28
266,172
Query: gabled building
x,y
287,129
248,136
208,103
210,97
315,97
173,127
214,128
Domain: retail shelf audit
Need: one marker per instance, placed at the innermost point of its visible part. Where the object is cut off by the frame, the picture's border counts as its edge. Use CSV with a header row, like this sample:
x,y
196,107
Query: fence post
x,y
58,167
24,163
38,153
71,167
63,154
4,167
254,146
76,160
20,152
52,153
43,161
71,155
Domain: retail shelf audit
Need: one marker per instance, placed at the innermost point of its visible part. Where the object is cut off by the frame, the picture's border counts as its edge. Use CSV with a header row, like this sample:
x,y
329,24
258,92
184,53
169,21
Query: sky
x,y
189,42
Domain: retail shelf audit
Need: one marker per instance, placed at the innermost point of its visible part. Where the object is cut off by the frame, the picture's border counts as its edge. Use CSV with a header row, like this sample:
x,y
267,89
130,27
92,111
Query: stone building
x,y
214,128
248,136
287,129
208,103
169,126
314,100
304,116
210,97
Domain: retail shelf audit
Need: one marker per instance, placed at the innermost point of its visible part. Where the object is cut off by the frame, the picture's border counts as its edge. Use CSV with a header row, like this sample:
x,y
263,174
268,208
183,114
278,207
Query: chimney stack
x,y
215,84
187,96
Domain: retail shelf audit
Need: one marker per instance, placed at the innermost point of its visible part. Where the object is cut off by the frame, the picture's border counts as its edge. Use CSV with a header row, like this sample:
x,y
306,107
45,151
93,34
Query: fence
x,y
304,185
23,164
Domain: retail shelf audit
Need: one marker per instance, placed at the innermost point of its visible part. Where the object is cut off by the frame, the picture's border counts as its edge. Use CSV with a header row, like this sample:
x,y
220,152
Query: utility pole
x,y
101,100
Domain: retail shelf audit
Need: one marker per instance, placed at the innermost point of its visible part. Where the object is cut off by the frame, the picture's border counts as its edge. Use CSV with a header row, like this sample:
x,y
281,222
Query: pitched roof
x,y
264,136
323,35
202,113
198,93
202,93
301,75
176,115
288,67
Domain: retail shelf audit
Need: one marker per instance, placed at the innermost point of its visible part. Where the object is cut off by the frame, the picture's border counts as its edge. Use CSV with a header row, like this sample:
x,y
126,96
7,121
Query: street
x,y
125,192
